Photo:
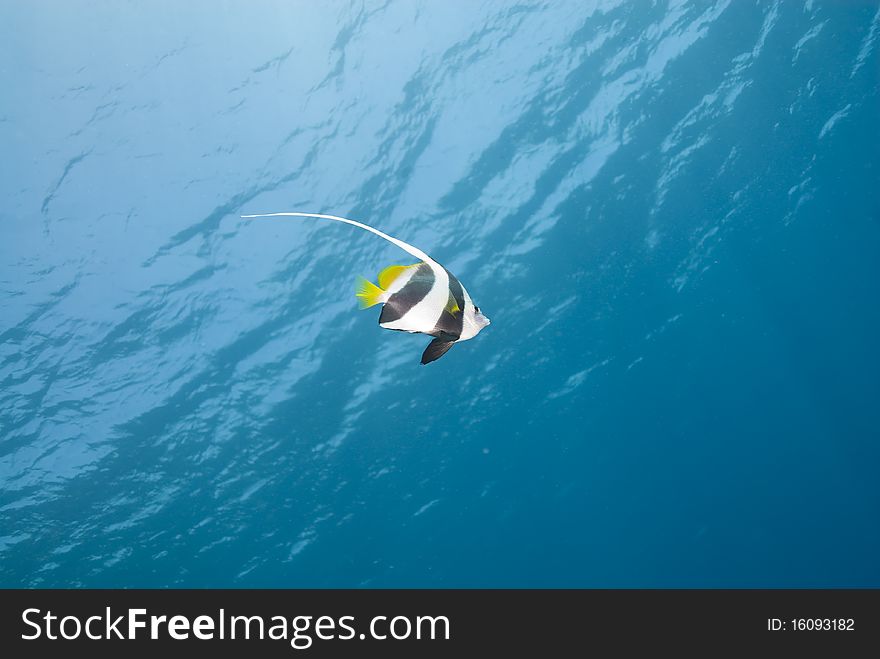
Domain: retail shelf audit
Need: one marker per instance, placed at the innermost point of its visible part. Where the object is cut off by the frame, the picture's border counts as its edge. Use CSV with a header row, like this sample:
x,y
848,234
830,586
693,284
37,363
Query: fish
x,y
420,298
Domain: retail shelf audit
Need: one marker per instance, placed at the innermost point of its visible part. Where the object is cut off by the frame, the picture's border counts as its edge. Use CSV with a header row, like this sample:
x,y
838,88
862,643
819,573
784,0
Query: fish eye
x,y
476,309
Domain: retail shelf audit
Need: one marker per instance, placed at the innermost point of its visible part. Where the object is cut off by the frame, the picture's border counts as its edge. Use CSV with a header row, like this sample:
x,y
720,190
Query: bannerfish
x,y
422,298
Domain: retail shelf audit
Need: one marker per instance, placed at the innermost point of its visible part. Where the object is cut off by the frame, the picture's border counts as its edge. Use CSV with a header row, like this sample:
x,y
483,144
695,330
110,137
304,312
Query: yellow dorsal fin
x,y
389,274
367,293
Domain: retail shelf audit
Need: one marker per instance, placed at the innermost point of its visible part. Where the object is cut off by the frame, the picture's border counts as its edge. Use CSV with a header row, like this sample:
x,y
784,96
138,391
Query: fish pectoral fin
x,y
435,350
452,306
367,293
392,272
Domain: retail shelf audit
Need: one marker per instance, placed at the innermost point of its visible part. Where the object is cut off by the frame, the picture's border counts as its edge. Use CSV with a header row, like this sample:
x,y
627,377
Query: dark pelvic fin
x,y
435,350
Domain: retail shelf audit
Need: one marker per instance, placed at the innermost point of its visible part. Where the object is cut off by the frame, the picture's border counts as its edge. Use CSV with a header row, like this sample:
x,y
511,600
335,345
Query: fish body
x,y
422,298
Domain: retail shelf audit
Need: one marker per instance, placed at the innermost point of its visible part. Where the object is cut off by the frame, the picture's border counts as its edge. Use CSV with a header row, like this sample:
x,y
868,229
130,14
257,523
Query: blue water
x,y
670,212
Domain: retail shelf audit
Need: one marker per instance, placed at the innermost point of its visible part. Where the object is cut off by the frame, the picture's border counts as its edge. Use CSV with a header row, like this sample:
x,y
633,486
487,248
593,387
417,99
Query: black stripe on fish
x,y
415,290
449,324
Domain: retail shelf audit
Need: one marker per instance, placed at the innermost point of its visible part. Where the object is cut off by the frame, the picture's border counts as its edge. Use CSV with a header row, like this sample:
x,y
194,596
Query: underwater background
x,y
669,210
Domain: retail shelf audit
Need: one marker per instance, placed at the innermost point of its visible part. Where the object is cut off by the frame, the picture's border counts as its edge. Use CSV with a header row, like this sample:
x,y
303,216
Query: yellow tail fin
x,y
367,293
